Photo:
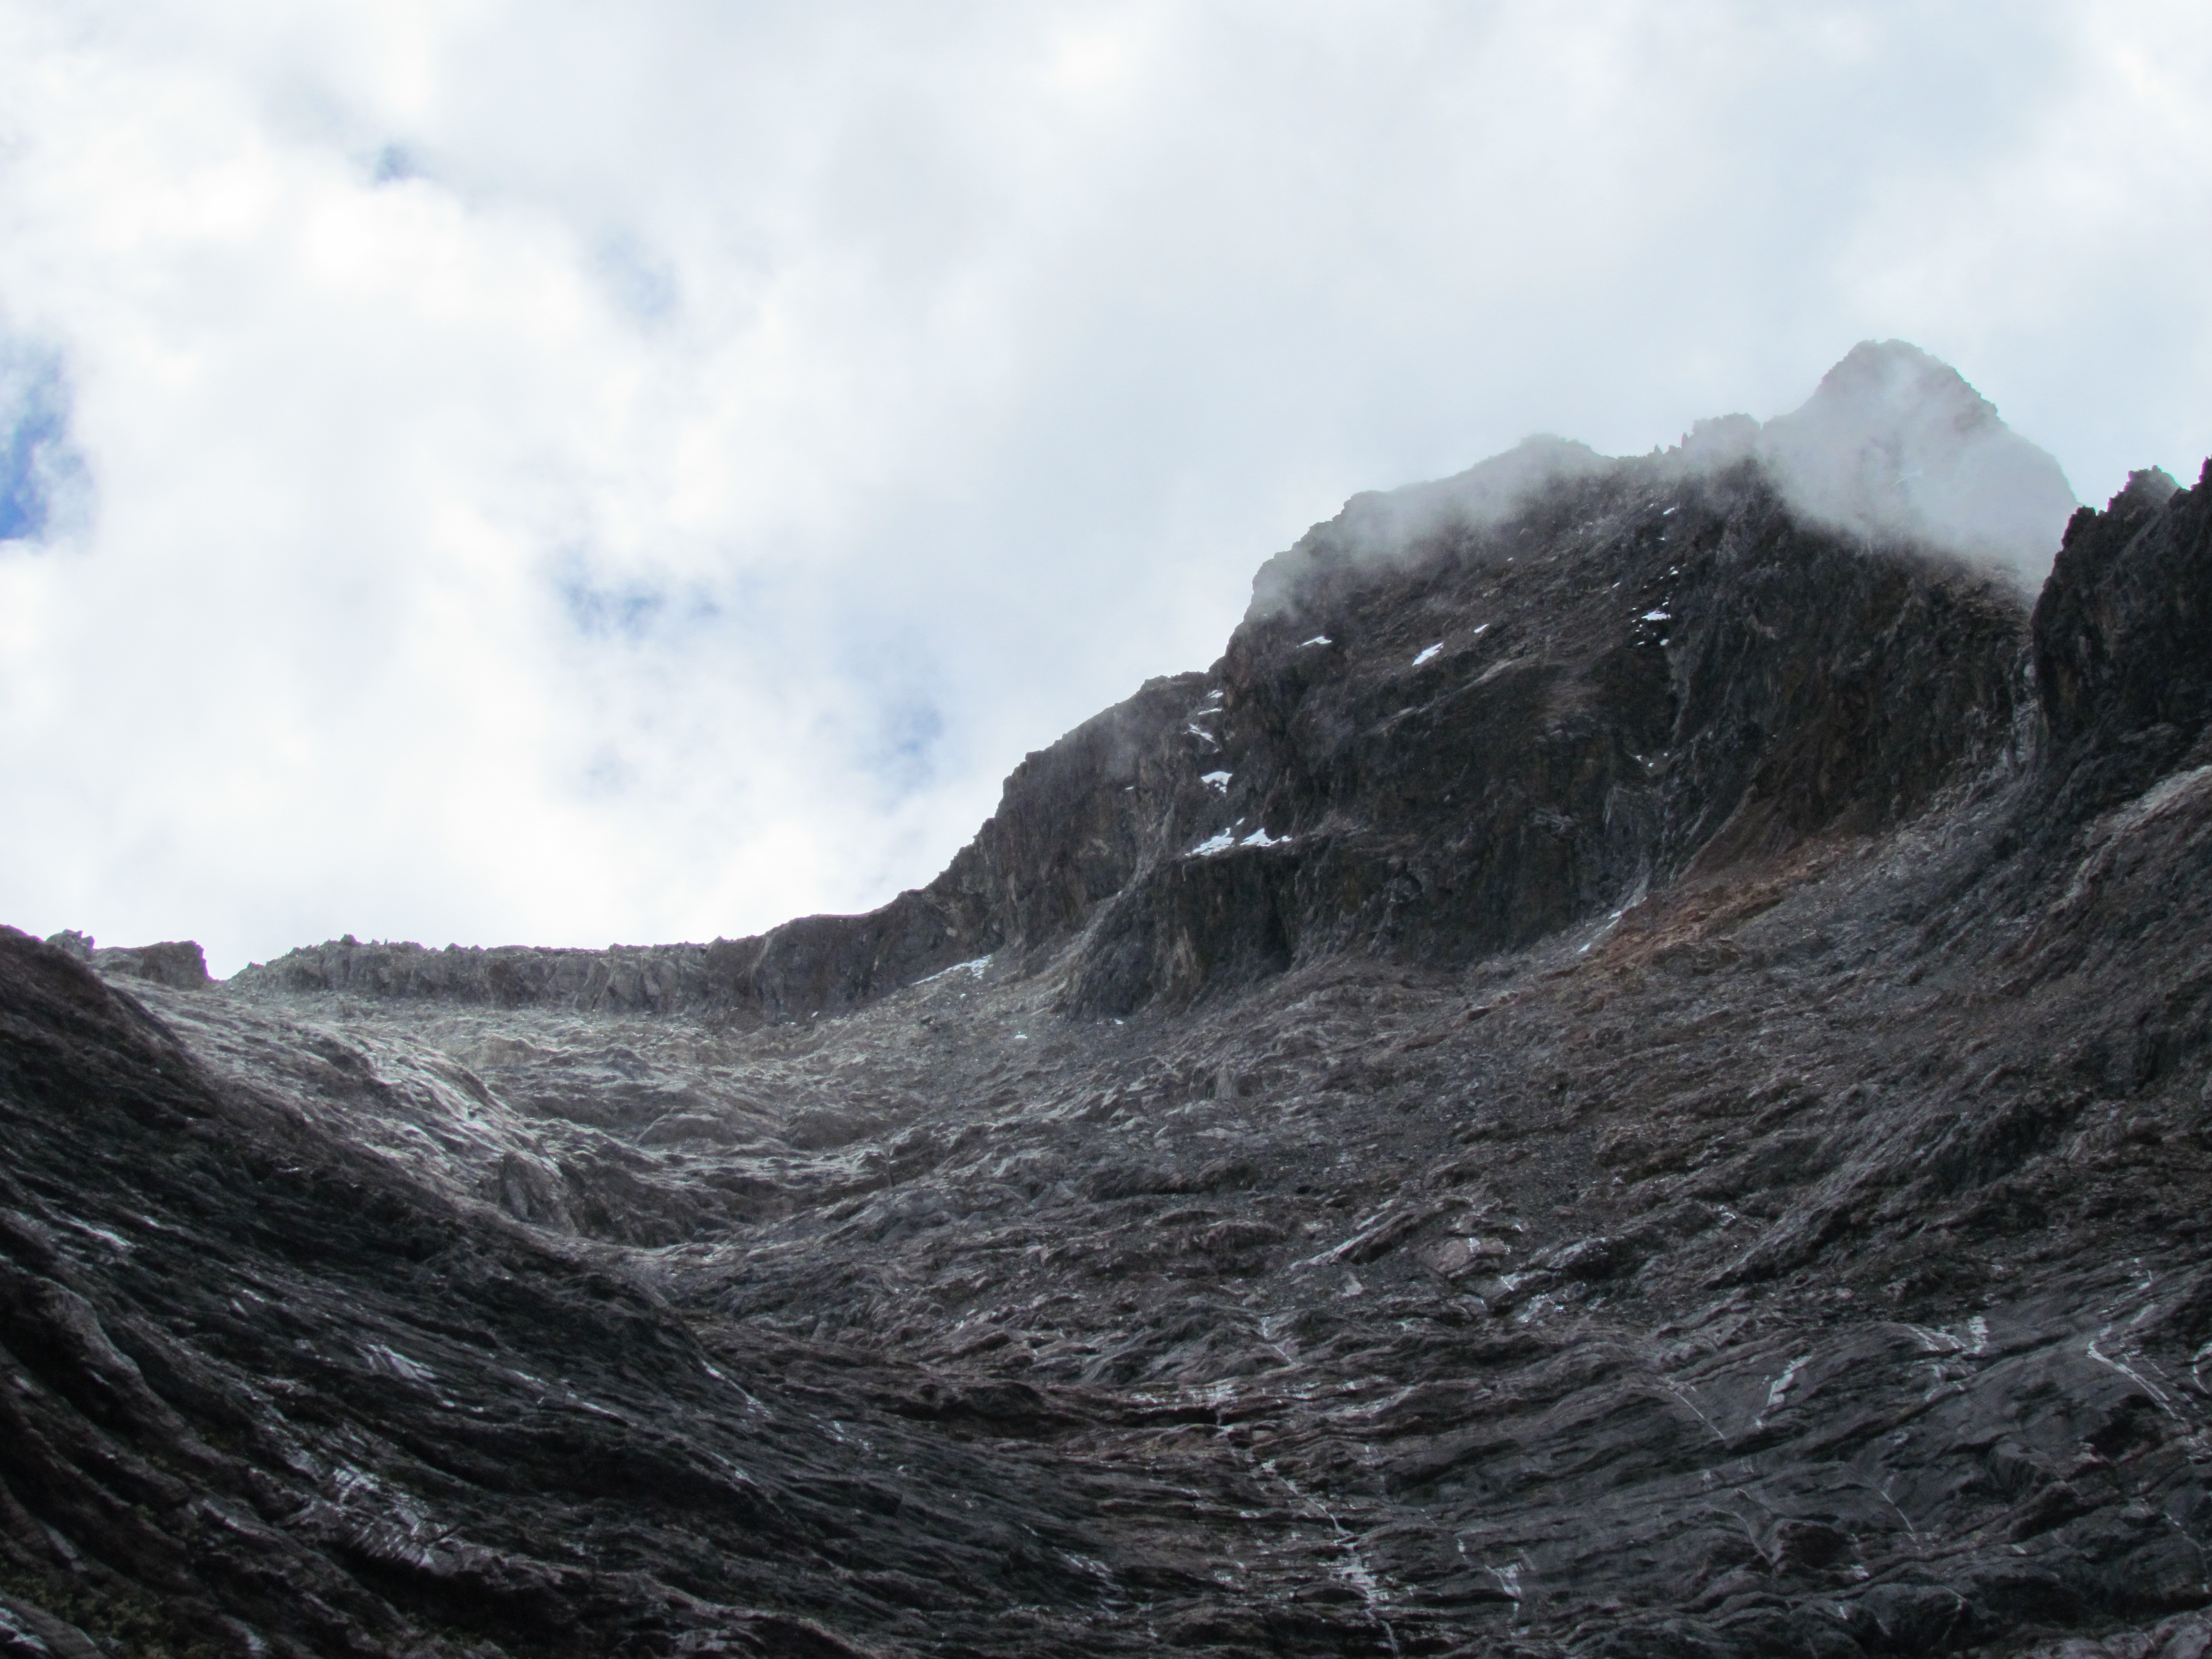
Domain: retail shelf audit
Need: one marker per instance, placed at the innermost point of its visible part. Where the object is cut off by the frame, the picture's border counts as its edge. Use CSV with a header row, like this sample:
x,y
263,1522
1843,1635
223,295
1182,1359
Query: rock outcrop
x,y
1522,725
2123,632
1625,1076
177,963
1071,829
1452,724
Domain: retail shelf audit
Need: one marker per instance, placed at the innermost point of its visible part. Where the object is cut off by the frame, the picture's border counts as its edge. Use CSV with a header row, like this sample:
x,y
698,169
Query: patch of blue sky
x,y
641,285
634,612
39,468
909,729
892,731
394,164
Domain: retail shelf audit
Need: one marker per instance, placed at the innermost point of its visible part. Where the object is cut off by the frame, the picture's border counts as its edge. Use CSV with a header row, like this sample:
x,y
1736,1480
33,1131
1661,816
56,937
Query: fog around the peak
x,y
567,474
1894,447
1897,447
1378,528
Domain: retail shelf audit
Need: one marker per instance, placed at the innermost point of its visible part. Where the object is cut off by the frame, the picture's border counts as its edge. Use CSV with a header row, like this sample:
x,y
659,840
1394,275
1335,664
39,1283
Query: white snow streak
x,y
974,970
1778,1390
1223,840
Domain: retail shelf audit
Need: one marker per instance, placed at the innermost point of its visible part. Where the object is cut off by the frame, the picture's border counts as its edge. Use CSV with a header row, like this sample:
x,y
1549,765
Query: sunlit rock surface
x,y
1624,1076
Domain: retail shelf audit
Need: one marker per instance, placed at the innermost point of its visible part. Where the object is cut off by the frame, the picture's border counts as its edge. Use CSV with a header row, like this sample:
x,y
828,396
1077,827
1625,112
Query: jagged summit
x,y
1458,717
1632,619
1379,530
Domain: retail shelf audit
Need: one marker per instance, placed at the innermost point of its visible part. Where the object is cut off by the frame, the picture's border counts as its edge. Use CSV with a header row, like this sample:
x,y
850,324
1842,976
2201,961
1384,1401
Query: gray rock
x,y
177,963
1678,1136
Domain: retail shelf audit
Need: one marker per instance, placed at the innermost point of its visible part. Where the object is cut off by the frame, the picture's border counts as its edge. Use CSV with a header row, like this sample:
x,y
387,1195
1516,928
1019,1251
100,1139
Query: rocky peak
x,y
1893,446
2123,632
179,962
1457,717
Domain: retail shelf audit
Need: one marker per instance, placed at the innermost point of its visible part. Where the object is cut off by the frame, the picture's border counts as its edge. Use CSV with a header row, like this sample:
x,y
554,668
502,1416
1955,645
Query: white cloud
x,y
569,473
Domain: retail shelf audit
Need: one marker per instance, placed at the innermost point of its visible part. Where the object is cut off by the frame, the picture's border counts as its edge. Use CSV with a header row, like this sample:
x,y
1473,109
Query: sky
x,y
567,474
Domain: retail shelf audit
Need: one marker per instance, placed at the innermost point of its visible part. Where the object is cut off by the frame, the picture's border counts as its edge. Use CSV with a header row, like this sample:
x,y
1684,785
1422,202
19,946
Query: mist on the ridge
x,y
1378,528
1893,446
1896,445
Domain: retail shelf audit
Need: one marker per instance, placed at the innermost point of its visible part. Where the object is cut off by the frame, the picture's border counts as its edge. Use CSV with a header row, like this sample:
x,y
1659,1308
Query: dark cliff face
x,y
1075,822
1442,744
1625,1076
1507,729
2123,636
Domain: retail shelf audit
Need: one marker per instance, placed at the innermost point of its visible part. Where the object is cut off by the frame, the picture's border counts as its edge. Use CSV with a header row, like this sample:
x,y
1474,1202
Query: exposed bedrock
x,y
2124,639
1626,1077
1069,832
1511,728
1494,729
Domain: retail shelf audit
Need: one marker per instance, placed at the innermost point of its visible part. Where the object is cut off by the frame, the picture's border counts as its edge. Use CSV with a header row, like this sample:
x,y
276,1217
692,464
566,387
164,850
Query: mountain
x,y
1623,1075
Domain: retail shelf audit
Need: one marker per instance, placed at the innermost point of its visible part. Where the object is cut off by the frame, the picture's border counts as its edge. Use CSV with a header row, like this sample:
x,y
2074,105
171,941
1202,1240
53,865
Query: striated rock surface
x,y
1627,1075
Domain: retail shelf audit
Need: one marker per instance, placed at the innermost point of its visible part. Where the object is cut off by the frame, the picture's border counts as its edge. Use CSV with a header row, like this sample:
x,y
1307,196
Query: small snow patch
x,y
1658,616
1218,781
974,970
1318,639
1778,1390
1224,841
1428,652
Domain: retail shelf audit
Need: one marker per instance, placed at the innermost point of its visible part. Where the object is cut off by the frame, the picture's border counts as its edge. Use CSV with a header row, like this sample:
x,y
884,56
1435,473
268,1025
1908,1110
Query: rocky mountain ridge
x,y
1624,1076
1664,708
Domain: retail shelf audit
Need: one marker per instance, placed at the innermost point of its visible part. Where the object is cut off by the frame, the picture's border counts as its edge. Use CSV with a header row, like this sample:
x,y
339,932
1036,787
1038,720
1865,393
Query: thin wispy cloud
x,y
566,474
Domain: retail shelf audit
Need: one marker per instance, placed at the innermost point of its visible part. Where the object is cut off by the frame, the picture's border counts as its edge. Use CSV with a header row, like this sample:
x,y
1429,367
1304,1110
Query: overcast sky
x,y
574,473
